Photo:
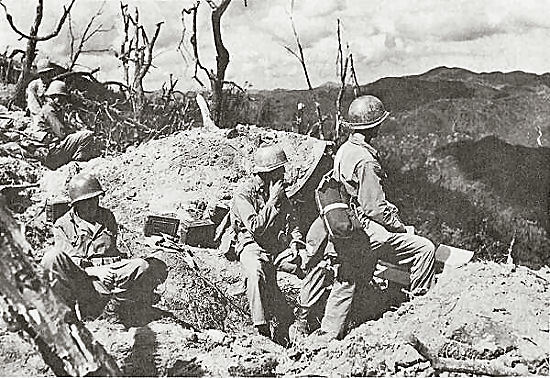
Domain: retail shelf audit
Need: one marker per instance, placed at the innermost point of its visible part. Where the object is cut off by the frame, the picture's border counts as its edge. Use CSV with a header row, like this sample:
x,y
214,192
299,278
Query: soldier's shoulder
x,y
33,83
105,213
63,220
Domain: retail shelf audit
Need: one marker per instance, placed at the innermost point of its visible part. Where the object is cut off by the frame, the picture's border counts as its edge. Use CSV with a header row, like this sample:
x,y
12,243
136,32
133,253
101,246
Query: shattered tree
x,y
136,48
77,43
216,78
32,40
32,309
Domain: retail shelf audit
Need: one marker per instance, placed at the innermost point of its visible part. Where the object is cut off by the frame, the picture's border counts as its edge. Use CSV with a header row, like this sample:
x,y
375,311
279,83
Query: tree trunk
x,y
65,344
222,61
25,76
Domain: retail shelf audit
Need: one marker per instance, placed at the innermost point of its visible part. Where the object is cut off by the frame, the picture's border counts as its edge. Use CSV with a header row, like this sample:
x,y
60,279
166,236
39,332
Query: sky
x,y
386,37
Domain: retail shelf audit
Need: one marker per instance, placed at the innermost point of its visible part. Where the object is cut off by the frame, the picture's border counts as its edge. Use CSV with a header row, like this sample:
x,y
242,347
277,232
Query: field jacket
x,y
358,168
88,244
254,218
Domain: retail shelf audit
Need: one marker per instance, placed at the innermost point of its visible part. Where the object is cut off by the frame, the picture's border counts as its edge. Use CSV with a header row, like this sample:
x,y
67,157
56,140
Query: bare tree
x,y
344,63
76,44
317,127
300,53
217,77
137,49
32,40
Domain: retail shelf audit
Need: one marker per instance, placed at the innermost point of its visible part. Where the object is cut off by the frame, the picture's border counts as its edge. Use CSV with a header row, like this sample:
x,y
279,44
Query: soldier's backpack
x,y
333,204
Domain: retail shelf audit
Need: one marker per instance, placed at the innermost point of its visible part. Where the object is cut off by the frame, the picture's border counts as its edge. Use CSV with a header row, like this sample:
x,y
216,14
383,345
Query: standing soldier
x,y
64,143
357,168
265,227
85,265
36,89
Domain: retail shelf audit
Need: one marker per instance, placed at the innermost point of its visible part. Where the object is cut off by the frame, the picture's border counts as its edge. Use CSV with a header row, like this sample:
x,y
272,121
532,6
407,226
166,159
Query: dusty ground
x,y
484,311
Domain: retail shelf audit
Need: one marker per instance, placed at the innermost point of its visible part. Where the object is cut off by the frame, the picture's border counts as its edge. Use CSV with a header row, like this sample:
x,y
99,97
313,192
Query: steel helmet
x,y
366,112
43,65
56,87
269,158
84,186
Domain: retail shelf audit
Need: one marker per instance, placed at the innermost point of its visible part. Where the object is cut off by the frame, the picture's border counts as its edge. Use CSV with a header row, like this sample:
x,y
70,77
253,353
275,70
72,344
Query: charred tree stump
x,y
29,305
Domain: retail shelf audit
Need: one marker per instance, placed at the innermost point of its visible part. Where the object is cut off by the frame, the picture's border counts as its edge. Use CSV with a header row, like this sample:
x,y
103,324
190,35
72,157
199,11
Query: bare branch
x,y
78,73
87,34
193,40
15,52
300,54
357,88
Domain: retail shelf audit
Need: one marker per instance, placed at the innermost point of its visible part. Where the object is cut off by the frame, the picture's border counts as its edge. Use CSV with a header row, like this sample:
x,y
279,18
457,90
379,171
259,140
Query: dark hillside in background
x,y
468,153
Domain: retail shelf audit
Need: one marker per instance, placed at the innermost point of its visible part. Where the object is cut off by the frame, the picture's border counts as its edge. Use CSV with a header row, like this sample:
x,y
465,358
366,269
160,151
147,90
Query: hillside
x,y
465,168
492,313
468,153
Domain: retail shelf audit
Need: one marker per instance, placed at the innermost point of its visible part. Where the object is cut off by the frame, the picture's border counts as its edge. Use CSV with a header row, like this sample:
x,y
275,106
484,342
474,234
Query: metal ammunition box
x,y
155,225
198,233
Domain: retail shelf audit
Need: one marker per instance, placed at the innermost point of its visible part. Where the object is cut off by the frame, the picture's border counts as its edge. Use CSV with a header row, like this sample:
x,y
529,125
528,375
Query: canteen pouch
x,y
333,204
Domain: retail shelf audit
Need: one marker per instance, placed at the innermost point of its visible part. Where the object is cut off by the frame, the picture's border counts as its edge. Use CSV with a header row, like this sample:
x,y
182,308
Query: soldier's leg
x,y
132,279
314,284
253,259
412,251
357,261
67,279
79,146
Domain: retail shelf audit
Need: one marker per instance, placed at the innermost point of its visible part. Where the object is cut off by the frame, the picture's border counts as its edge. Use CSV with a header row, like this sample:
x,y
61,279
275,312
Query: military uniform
x,y
85,262
358,168
264,229
63,147
35,96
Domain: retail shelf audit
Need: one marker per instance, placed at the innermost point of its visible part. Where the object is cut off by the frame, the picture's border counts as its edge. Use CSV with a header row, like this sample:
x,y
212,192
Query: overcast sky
x,y
387,37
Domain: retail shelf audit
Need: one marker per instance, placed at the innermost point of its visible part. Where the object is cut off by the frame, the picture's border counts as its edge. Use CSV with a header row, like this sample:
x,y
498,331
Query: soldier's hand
x,y
276,191
410,230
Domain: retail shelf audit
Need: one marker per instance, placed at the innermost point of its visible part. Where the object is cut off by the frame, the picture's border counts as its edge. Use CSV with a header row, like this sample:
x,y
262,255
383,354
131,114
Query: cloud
x,y
388,37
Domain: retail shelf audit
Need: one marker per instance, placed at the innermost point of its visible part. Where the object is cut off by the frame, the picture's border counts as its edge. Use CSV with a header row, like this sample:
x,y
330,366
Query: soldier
x,y
262,218
37,88
64,143
358,169
85,265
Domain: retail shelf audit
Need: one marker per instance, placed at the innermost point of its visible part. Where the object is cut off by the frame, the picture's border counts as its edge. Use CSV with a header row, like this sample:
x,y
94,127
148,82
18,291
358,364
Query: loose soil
x,y
484,311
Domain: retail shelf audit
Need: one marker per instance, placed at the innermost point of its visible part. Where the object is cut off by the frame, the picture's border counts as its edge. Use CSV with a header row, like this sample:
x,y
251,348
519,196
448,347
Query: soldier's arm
x,y
55,124
372,199
293,225
33,104
62,243
254,221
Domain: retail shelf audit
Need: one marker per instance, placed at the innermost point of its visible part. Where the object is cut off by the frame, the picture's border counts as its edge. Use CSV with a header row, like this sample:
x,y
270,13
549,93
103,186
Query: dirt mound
x,y
483,312
182,173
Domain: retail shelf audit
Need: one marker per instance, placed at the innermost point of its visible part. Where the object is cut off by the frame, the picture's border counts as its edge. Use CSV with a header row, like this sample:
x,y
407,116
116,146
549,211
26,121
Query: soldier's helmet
x,y
84,186
366,112
56,87
269,158
44,65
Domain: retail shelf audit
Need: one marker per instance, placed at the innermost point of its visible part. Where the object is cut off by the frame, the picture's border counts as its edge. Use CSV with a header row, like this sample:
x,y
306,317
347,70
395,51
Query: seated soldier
x,y
263,220
85,265
36,89
64,143
333,266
